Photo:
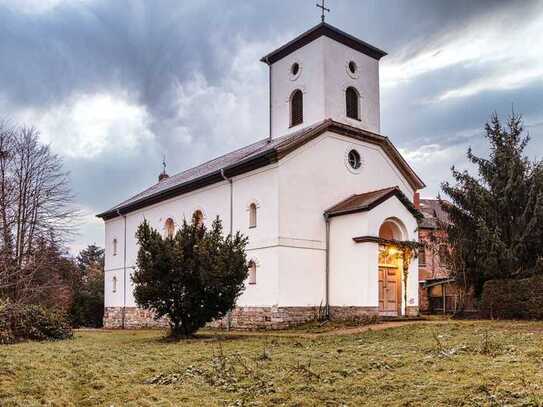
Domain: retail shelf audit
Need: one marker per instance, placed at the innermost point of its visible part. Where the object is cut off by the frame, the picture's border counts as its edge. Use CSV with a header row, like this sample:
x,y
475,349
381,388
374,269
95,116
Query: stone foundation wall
x,y
244,318
134,318
412,311
249,318
352,313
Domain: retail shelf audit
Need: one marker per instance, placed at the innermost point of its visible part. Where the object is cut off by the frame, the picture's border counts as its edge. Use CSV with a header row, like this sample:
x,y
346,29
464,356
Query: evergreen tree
x,y
88,288
496,229
191,278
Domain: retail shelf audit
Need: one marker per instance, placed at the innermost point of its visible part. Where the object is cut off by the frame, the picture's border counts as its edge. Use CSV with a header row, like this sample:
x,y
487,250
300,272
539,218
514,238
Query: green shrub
x,y
192,278
513,299
31,322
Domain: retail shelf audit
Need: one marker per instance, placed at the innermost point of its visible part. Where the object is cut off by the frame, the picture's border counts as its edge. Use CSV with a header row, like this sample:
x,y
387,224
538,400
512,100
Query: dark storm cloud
x,y
164,59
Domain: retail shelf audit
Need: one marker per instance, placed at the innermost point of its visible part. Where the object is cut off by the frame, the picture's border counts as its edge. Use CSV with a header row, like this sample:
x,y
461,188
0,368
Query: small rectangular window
x,y
114,247
422,256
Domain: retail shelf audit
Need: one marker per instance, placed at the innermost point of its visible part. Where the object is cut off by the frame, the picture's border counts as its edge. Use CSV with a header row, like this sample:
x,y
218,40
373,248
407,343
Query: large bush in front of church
x,y
192,277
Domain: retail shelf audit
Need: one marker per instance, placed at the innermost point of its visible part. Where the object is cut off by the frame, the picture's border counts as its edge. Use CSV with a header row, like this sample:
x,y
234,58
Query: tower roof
x,y
329,31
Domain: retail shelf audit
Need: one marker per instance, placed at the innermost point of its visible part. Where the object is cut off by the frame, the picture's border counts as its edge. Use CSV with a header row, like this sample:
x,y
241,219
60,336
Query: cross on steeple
x,y
323,8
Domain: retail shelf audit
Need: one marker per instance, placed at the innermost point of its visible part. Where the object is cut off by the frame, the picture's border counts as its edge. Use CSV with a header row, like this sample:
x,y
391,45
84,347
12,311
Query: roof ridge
x,y
317,31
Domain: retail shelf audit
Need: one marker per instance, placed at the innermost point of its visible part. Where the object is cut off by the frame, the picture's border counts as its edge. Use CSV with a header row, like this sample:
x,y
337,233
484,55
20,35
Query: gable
x,y
369,200
318,31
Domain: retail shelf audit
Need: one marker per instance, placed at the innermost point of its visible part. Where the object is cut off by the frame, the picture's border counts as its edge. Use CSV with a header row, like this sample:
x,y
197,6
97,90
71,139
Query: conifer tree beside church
x,y
496,229
192,277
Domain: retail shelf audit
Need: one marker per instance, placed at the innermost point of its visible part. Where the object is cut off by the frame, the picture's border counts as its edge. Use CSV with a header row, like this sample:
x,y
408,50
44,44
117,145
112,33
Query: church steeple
x,y
322,74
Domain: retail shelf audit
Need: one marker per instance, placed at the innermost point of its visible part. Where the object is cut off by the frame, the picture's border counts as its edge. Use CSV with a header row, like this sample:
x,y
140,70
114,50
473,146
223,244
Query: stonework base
x,y
352,313
412,311
248,318
134,318
243,318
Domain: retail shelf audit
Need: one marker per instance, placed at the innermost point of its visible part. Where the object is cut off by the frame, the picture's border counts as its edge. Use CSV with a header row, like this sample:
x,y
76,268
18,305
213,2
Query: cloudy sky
x,y
112,85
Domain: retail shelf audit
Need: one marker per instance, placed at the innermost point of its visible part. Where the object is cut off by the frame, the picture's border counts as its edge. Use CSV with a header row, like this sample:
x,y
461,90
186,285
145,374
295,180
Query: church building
x,y
324,198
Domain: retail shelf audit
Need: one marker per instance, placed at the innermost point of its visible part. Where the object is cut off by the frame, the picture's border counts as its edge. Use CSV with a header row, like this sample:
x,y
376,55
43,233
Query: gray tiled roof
x,y
212,166
434,215
369,200
254,156
361,201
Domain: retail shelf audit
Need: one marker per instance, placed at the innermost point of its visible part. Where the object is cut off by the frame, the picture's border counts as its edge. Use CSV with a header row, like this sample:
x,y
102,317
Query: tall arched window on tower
x,y
296,108
352,103
252,215
252,272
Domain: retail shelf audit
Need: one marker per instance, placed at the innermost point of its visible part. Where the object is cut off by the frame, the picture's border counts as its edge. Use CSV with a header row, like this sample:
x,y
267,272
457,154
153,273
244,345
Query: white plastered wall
x,y
258,187
288,244
311,180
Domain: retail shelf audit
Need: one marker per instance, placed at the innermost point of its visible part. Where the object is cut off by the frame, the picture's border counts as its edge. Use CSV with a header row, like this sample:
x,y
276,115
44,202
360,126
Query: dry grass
x,y
456,363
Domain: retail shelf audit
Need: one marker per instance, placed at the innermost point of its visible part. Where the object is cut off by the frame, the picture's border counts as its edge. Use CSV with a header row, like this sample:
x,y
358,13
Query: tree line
x,y
38,216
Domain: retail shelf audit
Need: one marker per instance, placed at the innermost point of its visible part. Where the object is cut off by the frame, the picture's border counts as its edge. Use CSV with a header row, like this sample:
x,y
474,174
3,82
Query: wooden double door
x,y
389,291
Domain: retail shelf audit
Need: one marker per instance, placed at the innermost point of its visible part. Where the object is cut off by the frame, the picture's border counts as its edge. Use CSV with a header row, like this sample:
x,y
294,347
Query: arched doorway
x,y
390,268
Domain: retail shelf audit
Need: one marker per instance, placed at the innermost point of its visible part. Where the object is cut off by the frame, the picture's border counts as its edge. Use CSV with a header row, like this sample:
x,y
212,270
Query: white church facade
x,y
321,199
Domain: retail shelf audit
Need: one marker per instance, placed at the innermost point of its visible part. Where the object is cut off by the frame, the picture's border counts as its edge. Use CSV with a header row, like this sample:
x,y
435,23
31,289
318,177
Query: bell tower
x,y
322,74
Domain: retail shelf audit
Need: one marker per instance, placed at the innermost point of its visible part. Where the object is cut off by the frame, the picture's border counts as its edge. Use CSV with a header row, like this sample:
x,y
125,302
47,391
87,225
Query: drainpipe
x,y
123,323
327,276
229,180
270,93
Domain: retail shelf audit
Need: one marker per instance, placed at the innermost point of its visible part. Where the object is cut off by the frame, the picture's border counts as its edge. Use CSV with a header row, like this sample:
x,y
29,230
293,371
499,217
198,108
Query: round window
x,y
354,159
295,68
352,67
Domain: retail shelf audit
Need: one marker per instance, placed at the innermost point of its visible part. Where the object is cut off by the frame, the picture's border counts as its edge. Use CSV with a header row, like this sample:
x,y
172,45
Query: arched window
x,y
115,247
296,108
352,101
198,217
114,284
252,272
169,227
252,215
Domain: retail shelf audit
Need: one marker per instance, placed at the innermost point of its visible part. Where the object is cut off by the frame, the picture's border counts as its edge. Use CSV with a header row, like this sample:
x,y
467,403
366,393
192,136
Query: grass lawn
x,y
457,363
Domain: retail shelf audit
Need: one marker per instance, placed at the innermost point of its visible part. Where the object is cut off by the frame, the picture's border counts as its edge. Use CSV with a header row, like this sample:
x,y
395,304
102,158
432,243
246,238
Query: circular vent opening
x,y
354,159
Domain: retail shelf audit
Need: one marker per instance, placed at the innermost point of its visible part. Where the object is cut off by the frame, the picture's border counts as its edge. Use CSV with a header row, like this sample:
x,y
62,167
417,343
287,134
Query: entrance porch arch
x,y
390,267
393,229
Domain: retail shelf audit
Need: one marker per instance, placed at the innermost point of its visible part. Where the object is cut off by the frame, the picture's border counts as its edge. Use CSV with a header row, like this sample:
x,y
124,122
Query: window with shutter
x,y
296,108
352,101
